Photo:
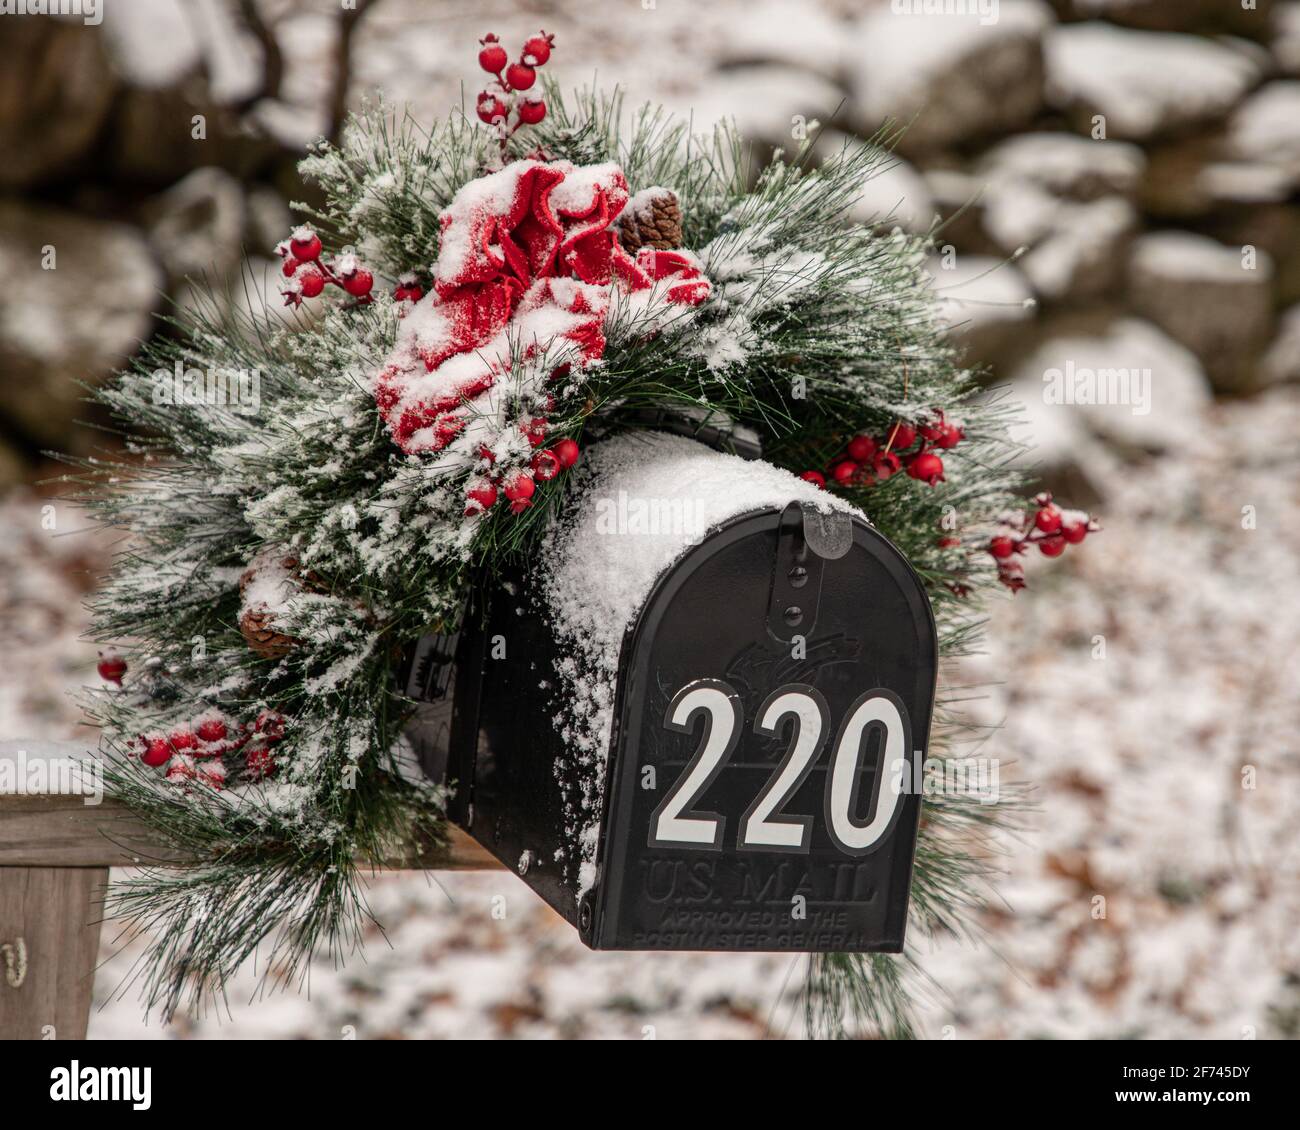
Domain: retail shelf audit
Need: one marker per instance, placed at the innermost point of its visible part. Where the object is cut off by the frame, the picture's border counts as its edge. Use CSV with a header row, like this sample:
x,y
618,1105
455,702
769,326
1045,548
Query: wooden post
x,y
49,931
55,852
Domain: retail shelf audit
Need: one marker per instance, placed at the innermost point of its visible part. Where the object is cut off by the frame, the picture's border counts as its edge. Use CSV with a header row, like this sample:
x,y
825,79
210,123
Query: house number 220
x,y
764,826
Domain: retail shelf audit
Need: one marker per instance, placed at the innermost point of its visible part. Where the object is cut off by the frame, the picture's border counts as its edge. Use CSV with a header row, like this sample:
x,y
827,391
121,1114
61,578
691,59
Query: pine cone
x,y
258,629
652,218
257,624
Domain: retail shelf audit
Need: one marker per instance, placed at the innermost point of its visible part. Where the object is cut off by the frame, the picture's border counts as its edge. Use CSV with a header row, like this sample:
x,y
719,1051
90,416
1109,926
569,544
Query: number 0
x,y
874,708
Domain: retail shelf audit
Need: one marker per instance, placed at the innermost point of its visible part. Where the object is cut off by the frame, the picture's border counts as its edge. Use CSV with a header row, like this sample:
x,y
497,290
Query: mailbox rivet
x,y
793,615
798,576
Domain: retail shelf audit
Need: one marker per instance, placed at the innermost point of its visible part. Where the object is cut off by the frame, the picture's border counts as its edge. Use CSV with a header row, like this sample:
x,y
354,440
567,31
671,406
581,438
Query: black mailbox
x,y
771,715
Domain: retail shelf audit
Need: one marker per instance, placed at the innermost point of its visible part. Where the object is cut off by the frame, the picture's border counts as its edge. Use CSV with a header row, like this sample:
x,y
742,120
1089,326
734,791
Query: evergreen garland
x,y
816,330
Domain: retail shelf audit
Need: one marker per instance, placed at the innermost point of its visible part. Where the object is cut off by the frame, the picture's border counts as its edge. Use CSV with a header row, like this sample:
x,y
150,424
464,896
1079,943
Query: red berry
x,y
157,751
862,448
566,451
520,489
948,435
1074,526
213,773
1052,546
481,497
1048,519
493,56
520,486
845,472
359,283
901,437
532,111
520,76
490,107
211,730
259,763
1002,547
948,542
537,49
304,245
546,465
885,465
408,291
927,467
183,740
111,667
311,281
1012,574
816,478
534,427
290,265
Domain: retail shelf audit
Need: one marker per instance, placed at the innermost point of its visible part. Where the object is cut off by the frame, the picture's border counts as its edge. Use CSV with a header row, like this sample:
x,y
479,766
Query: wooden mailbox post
x,y
55,852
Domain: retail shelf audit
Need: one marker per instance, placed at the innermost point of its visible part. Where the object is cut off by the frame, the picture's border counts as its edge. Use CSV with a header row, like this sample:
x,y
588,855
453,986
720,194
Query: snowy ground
x,y
1137,759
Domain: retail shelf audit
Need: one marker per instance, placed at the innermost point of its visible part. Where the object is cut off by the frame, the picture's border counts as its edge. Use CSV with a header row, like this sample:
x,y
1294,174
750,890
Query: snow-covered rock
x,y
1282,361
793,32
985,302
1265,130
157,44
1215,300
56,88
1195,177
1074,250
1174,15
774,103
1271,227
894,195
197,225
959,76
77,318
1125,381
1145,84
1286,36
1067,164
1064,199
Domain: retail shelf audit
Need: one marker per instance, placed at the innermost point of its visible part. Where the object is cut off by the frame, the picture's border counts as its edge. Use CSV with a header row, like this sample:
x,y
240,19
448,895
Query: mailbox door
x,y
727,829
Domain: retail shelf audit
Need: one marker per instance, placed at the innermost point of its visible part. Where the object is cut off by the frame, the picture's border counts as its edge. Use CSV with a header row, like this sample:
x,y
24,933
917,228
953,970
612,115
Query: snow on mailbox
x,y
697,727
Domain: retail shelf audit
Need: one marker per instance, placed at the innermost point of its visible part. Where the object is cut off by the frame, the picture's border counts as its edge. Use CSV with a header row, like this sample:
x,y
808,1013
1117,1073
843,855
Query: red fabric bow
x,y
528,257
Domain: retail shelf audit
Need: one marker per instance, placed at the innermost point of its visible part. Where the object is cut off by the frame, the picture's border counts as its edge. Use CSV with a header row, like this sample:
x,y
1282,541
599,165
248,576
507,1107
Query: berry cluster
x,y
195,753
1047,526
308,274
519,486
869,460
505,105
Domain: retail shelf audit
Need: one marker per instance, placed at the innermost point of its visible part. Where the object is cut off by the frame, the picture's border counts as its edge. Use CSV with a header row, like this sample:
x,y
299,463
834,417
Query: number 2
x,y
721,706
758,827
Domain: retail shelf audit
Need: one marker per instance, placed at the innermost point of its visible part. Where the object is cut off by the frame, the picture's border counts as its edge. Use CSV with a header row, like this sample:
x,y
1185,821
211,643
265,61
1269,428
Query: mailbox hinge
x,y
806,539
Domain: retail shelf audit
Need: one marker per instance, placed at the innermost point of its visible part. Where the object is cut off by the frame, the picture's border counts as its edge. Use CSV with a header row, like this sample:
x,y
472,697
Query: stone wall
x,y
1116,181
